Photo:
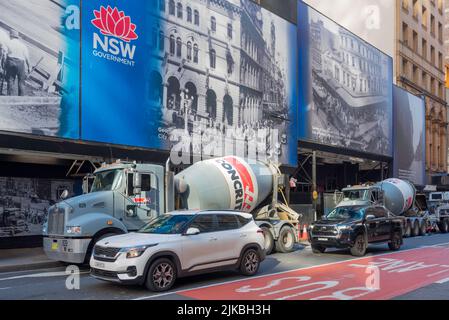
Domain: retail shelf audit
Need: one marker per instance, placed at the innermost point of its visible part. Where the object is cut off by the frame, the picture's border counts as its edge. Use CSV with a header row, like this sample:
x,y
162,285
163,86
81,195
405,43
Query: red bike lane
x,y
372,278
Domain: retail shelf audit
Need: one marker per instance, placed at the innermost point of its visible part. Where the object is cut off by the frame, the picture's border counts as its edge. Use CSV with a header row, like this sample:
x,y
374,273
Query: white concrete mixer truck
x,y
401,198
125,196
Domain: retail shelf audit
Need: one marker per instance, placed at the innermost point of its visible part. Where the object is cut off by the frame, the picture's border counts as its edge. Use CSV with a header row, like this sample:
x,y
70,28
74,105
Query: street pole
x,y
314,186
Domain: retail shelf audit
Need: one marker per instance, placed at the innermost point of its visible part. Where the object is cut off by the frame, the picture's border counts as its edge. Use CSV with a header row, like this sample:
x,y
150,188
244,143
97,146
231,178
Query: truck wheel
x,y
250,263
395,242
415,229
269,240
286,240
423,228
444,226
317,249
359,247
408,230
161,275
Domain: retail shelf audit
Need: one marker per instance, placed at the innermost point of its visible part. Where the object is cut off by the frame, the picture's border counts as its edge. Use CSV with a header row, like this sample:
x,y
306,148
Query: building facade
x,y
420,65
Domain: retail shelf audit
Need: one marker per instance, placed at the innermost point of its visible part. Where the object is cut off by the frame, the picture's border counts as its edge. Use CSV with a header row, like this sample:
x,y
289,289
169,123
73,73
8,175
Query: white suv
x,y
179,244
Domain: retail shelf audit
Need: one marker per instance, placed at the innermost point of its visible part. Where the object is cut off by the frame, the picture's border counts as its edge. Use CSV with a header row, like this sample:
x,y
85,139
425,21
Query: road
x,y
419,271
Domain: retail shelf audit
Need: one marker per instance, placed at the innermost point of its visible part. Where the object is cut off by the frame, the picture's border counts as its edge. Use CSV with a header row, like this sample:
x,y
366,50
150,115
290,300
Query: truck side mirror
x,y
137,183
64,195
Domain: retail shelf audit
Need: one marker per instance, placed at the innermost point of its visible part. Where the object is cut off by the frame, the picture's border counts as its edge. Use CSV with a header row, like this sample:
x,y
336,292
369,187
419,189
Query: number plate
x,y
54,246
323,239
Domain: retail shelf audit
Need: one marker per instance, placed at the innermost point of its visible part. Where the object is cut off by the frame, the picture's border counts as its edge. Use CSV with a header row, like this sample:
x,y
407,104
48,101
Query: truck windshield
x,y
167,224
346,213
107,180
360,194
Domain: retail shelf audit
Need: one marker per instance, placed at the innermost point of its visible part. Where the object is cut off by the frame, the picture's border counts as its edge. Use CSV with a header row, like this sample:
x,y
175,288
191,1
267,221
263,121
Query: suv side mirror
x,y
370,217
137,183
192,232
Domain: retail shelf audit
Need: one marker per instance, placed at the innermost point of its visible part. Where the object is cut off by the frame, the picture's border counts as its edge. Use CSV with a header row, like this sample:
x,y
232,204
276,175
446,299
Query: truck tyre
x,y
269,240
317,249
395,242
444,226
359,247
250,263
415,229
92,244
286,240
423,228
161,275
408,230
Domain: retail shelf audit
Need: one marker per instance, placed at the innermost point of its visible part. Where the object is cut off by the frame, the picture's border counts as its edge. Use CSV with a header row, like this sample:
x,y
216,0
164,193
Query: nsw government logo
x,y
117,33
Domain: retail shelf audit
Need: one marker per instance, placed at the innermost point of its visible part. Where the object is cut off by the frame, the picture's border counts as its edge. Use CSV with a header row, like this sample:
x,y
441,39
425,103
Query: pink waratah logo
x,y
113,22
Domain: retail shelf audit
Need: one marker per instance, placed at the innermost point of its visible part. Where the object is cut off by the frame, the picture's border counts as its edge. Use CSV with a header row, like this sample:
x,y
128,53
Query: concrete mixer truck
x,y
125,196
400,198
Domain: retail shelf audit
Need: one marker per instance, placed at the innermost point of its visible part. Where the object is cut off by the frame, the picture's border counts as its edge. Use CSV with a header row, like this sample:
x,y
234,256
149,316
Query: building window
x,y
161,41
213,58
197,17
195,53
189,15
172,45
162,5
171,7
213,24
229,30
179,9
178,47
189,51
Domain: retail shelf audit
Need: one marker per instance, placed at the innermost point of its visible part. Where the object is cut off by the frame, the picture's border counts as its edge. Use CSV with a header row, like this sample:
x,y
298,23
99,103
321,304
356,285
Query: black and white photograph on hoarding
x,y
24,204
351,103
229,85
34,68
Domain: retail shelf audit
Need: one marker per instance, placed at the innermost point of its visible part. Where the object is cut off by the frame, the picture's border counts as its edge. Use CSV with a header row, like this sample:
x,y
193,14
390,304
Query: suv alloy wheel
x,y
161,275
250,263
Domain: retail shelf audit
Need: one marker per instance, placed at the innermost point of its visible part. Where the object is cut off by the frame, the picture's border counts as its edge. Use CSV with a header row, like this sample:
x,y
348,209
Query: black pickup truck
x,y
355,227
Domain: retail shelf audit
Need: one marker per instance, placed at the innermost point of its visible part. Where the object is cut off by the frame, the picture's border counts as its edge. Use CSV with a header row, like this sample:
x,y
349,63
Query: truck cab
x,y
122,197
361,195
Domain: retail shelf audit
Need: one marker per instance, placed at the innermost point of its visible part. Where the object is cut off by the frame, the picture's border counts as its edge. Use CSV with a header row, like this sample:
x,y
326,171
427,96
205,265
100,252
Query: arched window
x,y
195,53
197,17
179,9
189,51
178,47
213,58
213,24
189,15
161,41
171,7
162,5
230,30
172,45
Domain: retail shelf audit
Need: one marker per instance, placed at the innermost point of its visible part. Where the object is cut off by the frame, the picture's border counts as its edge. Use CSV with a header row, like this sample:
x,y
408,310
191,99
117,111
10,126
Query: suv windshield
x,y
355,194
346,213
167,224
107,180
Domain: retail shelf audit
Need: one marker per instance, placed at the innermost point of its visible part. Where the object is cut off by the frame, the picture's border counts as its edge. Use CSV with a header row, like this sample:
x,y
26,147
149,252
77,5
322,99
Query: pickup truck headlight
x,y
343,228
74,230
136,252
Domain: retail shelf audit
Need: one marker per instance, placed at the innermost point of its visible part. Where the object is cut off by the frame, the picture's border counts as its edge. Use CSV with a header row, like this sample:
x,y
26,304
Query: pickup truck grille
x,y
106,252
324,231
56,222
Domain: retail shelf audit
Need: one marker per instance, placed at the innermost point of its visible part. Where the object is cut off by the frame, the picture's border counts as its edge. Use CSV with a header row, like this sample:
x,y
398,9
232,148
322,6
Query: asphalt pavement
x,y
419,271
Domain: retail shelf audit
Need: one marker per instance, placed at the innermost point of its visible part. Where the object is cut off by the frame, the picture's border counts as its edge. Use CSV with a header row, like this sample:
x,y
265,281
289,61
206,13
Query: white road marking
x,y
443,281
5,288
280,273
43,275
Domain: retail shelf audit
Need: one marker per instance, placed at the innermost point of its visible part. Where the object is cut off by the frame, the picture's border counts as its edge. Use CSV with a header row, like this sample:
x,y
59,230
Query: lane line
x,y
280,273
44,275
5,288
443,281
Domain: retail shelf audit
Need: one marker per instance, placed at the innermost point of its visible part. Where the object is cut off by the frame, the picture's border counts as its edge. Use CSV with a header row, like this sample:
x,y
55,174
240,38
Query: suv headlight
x,y
136,252
74,230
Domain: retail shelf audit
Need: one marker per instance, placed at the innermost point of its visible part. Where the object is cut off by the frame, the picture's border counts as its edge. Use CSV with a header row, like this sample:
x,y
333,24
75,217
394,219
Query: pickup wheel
x,y
359,247
317,249
250,263
408,230
269,240
161,275
444,226
395,242
415,229
286,240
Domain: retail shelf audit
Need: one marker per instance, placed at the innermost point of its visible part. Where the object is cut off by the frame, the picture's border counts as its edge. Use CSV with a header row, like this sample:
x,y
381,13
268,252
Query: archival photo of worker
x,y
24,204
39,67
349,102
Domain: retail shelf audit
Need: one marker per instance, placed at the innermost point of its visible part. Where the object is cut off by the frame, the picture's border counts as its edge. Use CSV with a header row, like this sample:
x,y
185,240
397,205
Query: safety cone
x,y
303,237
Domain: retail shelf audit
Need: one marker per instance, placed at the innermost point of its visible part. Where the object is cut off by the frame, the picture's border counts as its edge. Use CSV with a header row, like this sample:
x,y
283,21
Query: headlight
x,y
136,252
343,228
311,227
74,230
